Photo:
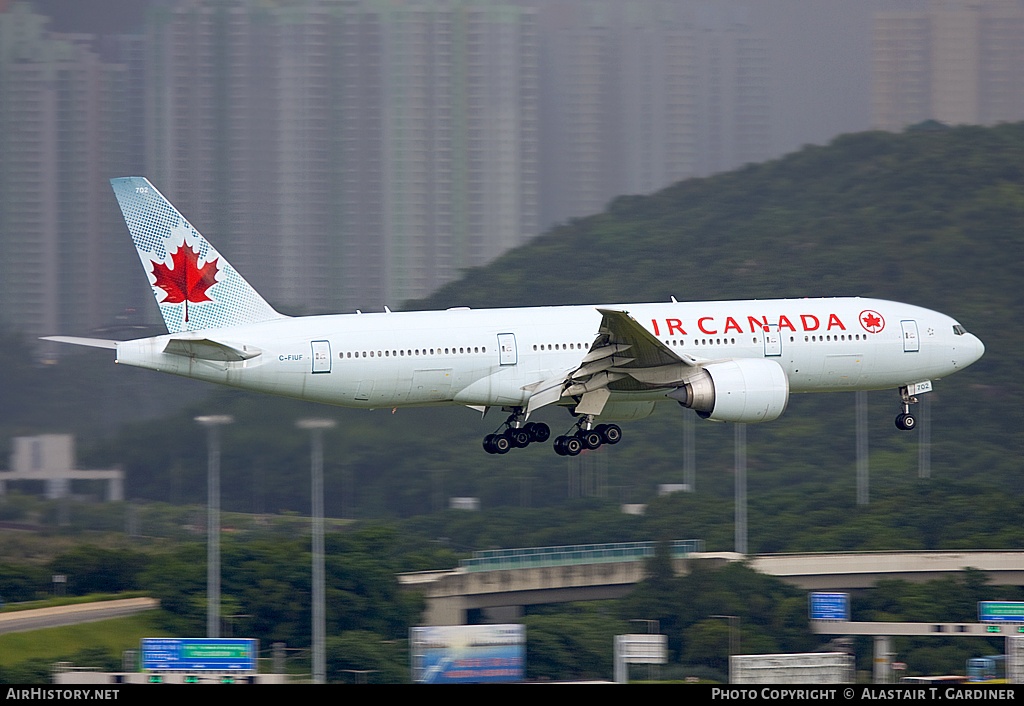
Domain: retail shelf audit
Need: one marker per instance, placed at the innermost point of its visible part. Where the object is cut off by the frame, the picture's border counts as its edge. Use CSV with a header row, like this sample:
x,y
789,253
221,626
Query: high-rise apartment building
x,y
64,129
958,62
639,94
353,154
348,154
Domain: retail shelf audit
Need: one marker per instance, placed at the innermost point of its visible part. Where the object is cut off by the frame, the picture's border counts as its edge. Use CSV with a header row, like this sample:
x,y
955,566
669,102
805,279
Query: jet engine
x,y
744,390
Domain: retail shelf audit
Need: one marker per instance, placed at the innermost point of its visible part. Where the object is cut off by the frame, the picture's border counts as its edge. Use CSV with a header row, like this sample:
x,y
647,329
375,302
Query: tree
x,y
574,642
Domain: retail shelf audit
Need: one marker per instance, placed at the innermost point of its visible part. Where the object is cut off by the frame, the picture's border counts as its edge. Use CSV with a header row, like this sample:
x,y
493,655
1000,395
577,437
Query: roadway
x,y
59,616
451,594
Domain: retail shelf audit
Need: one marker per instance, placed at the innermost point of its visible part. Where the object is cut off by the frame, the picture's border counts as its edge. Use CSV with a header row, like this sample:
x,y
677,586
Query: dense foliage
x,y
765,614
266,588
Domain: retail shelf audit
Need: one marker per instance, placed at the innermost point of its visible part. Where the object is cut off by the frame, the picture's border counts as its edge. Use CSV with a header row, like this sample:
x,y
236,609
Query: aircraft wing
x,y
619,328
625,356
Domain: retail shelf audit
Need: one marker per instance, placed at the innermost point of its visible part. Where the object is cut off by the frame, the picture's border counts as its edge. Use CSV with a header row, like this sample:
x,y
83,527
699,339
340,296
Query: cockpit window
x,y
959,330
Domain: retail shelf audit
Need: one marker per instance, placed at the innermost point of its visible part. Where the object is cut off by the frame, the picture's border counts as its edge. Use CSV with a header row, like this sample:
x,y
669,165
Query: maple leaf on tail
x,y
185,281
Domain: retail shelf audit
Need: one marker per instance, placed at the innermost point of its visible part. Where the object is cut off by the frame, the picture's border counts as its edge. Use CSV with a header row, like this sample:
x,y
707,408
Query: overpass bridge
x,y
500,583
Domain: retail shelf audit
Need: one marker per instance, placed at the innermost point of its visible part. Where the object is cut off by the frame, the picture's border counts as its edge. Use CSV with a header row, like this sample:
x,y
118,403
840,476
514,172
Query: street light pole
x,y
213,424
734,637
316,431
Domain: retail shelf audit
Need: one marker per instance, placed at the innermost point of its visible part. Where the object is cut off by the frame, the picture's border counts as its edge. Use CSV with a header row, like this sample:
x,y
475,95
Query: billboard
x,y
812,668
198,654
454,654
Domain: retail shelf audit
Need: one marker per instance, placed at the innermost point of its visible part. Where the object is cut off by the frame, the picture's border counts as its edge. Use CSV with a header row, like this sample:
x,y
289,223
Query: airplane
x,y
729,361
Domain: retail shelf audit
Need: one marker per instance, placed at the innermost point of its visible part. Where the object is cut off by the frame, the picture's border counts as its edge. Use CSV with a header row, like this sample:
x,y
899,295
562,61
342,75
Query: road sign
x,y
829,606
1000,612
195,654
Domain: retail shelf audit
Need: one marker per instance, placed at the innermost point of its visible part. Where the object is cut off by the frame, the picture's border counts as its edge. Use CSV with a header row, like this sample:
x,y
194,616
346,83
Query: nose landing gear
x,y
906,421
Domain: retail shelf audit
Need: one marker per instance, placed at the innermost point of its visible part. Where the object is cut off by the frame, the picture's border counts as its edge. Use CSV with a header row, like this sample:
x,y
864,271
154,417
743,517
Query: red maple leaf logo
x,y
872,321
185,281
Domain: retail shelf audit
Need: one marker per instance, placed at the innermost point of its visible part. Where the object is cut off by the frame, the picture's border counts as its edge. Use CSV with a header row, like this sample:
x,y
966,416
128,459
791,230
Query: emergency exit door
x,y
321,356
507,349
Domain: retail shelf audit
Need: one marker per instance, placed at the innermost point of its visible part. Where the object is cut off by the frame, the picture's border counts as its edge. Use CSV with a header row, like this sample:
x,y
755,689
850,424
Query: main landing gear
x,y
905,420
516,435
587,436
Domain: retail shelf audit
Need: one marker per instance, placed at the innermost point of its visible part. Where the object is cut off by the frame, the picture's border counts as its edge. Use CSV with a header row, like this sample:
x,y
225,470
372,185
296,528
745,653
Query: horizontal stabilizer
x,y
76,341
207,349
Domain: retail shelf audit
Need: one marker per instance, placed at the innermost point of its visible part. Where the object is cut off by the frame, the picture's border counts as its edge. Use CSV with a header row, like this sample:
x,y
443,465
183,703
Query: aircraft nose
x,y
972,349
979,348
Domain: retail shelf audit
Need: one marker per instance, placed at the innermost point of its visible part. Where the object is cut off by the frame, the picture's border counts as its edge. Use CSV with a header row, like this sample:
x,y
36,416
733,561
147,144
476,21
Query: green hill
x,y
873,214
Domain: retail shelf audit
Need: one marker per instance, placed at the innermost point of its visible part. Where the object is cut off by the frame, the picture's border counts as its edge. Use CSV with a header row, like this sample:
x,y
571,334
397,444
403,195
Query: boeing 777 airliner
x,y
733,361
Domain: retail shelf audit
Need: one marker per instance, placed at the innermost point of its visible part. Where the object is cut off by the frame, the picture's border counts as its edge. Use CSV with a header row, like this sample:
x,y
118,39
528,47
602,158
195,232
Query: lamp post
x,y
213,423
734,637
316,432
740,490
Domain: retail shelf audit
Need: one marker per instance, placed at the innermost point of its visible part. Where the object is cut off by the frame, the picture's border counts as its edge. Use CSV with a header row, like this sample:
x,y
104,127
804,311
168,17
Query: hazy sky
x,y
93,16
819,53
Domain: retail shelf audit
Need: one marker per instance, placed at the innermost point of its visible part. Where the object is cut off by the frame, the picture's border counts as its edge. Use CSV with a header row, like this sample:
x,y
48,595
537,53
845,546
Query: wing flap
x,y
624,355
547,392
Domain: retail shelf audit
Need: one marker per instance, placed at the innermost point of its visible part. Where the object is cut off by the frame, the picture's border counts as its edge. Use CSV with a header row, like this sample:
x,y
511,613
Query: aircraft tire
x,y
572,445
501,444
611,433
539,431
906,422
591,439
519,438
560,446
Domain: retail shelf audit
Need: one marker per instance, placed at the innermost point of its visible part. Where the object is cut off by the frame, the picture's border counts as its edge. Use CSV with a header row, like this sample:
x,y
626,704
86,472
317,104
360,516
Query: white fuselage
x,y
494,357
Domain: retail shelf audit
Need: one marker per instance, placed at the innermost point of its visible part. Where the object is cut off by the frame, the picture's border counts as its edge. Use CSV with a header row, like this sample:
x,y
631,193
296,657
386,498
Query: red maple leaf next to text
x,y
185,281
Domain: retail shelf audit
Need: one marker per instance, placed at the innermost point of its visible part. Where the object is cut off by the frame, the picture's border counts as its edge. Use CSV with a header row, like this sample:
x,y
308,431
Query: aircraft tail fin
x,y
195,287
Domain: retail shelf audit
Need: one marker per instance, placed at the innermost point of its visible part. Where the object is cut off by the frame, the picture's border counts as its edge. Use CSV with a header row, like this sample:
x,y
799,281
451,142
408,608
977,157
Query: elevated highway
x,y
492,586
59,616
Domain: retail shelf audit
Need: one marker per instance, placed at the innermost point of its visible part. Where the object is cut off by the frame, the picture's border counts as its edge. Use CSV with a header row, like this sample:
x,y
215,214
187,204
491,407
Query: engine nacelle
x,y
744,390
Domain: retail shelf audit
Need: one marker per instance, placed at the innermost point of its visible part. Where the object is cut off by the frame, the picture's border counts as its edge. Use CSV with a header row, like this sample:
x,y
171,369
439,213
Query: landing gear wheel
x,y
591,439
906,421
610,433
568,446
539,431
500,444
519,438
558,446
573,446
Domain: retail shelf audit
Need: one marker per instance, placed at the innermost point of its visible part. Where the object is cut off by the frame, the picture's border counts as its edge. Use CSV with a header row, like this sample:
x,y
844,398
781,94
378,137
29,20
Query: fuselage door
x,y
772,341
911,343
507,349
321,356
